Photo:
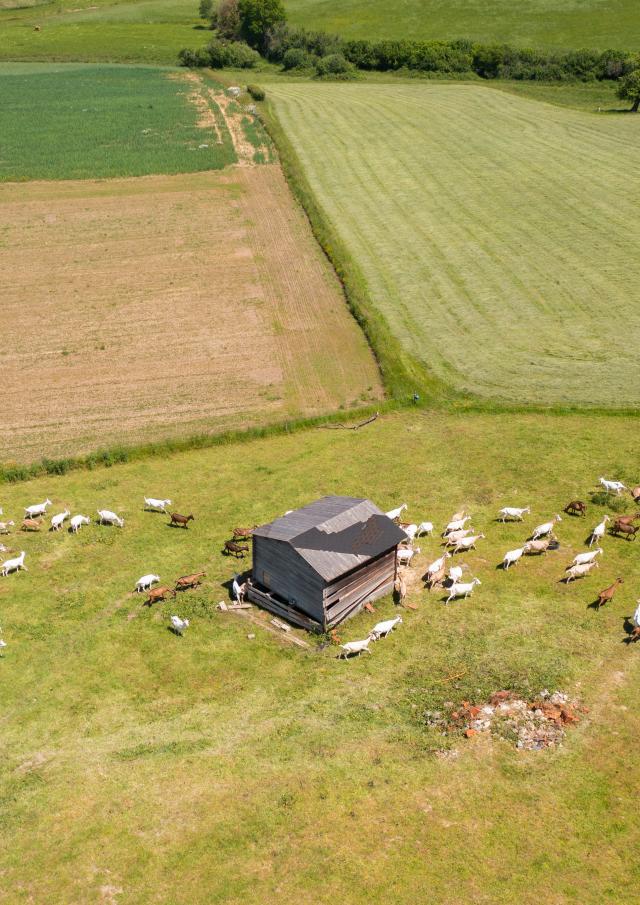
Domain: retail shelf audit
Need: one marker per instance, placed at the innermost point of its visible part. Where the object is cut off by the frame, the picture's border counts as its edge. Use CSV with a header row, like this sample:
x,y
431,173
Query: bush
x,y
333,64
194,58
236,54
256,92
297,58
205,9
258,18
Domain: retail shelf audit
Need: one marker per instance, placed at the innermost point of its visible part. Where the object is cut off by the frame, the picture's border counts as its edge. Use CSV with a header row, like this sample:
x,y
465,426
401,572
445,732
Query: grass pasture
x,y
93,122
167,306
497,235
138,767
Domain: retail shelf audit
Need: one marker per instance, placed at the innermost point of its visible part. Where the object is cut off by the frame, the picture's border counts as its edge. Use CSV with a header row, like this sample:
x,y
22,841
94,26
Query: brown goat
x,y
177,519
158,594
634,634
31,524
437,578
622,528
189,581
243,532
400,587
238,550
576,507
606,596
635,493
627,519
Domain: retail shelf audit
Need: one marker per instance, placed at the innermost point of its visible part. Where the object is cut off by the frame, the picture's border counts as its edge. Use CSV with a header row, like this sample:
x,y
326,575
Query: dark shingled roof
x,y
335,534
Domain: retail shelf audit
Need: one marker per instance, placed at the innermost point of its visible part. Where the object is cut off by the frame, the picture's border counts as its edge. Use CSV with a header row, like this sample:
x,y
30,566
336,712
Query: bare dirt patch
x,y
139,309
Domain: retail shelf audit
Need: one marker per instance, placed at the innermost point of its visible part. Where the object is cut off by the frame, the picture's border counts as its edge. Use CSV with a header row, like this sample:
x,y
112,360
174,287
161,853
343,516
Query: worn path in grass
x,y
498,236
167,306
215,768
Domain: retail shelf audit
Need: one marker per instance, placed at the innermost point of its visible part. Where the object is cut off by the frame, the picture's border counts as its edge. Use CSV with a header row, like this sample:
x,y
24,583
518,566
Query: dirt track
x,y
138,309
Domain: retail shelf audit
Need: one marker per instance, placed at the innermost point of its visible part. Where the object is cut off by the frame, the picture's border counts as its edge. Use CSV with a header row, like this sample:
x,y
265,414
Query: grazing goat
x,y
576,507
182,520
579,571
157,505
144,583
31,524
455,572
582,558
243,532
37,509
179,625
456,525
437,564
395,514
462,589
467,543
425,528
410,531
452,539
598,532
77,521
189,581
533,547
238,590
636,615
611,486
231,548
5,526
107,517
435,579
635,493
512,513
545,528
382,629
606,596
158,594
635,634
629,530
13,565
57,521
628,519
355,647
404,555
512,557
458,515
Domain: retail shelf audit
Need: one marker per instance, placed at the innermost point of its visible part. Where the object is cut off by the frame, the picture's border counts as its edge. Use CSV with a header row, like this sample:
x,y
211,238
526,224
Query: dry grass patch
x,y
140,309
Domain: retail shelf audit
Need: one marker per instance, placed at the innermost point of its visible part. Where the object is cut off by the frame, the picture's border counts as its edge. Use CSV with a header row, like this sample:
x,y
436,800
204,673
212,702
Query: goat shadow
x,y
174,631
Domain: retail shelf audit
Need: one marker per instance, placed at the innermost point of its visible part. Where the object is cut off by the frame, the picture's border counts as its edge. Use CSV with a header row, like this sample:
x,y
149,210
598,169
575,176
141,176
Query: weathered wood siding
x,y
347,595
280,568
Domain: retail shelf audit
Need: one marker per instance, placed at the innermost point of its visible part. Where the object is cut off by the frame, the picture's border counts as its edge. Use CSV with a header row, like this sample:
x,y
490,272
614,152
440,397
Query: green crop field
x,y
90,122
497,235
139,767
600,24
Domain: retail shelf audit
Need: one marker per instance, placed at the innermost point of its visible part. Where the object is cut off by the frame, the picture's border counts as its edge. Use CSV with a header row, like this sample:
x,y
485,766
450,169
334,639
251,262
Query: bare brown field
x,y
138,309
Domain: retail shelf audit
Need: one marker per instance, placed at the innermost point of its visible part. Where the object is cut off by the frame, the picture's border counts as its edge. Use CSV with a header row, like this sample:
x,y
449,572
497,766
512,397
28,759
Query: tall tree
x,y
257,18
629,89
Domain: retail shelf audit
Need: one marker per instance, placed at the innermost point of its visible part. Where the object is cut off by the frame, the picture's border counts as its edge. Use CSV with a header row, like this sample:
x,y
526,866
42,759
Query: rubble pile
x,y
531,725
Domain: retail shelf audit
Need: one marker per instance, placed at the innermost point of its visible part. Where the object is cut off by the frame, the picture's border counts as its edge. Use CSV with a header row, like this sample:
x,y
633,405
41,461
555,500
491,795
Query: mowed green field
x,y
497,235
138,767
600,24
104,121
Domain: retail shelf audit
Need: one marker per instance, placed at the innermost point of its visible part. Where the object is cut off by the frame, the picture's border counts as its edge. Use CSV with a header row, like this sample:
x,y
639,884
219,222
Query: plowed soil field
x,y
167,305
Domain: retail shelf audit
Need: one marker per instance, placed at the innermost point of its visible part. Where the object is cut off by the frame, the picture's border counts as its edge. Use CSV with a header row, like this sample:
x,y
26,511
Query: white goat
x,y
582,558
467,543
579,571
3,644
159,505
37,509
57,521
512,557
355,647
636,615
411,531
13,565
4,527
107,517
393,514
405,555
179,625
456,524
144,583
546,528
77,521
458,515
455,572
598,532
425,528
452,539
611,486
462,589
437,564
382,629
512,512
238,590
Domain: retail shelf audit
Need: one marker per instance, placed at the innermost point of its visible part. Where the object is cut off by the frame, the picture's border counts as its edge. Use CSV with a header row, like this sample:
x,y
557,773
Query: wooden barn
x,y
320,564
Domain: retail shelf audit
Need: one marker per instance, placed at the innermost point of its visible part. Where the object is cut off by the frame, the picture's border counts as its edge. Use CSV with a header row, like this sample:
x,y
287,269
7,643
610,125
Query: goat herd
x,y
458,537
